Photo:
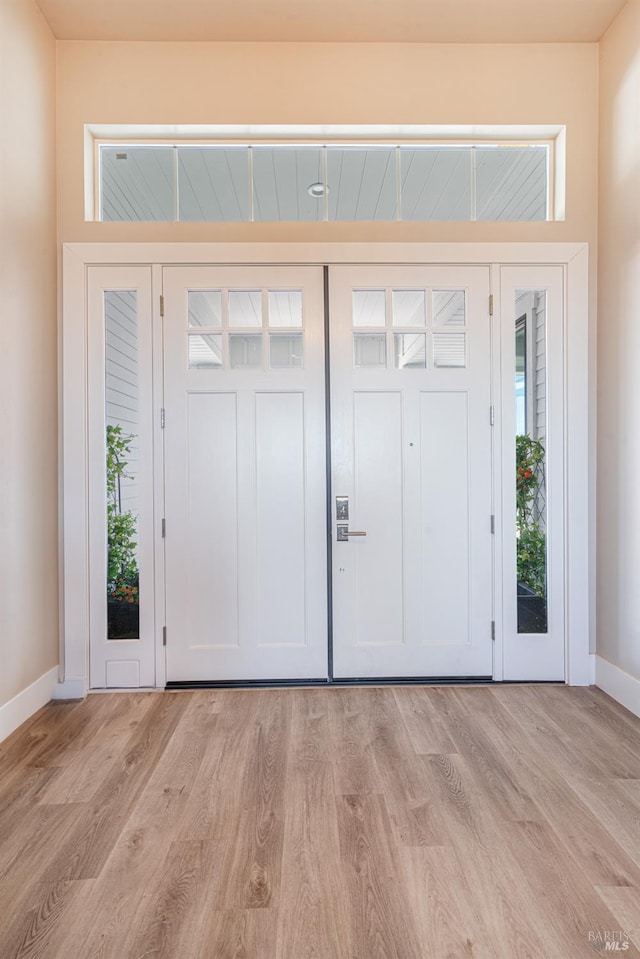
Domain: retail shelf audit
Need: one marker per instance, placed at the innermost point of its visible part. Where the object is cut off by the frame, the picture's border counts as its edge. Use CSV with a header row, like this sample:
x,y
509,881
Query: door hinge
x,y
162,418
493,630
161,305
492,415
493,524
164,635
164,528
490,304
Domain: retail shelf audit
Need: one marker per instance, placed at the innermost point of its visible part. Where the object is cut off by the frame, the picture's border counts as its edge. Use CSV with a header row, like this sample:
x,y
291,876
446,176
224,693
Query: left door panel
x,y
245,483
120,445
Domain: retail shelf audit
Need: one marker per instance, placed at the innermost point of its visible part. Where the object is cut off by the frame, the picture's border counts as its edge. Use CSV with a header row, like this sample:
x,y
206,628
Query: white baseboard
x,y
25,704
621,686
74,687
592,669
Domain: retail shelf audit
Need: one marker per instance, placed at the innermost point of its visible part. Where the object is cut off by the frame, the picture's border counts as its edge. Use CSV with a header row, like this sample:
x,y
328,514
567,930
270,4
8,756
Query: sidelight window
x,y
531,443
122,463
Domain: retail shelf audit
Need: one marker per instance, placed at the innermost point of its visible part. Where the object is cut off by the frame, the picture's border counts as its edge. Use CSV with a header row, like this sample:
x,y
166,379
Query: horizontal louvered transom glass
x,y
331,182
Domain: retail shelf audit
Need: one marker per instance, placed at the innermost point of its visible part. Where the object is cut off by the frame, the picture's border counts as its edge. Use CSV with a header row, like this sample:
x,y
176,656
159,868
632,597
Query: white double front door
x,y
346,534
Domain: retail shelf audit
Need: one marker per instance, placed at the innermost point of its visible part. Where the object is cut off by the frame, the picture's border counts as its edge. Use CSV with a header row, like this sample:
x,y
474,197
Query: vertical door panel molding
x,y
280,518
377,507
446,527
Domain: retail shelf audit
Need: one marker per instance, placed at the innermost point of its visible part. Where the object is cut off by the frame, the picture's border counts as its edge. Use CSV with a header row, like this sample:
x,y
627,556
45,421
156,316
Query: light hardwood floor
x,y
348,823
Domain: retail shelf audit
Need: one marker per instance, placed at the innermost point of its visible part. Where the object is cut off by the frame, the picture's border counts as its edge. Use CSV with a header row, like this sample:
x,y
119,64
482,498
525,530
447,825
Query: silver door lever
x,y
344,533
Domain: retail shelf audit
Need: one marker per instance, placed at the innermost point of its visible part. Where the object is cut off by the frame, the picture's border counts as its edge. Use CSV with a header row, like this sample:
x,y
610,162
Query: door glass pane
x,y
213,183
369,308
361,183
205,308
511,182
449,350
531,435
205,352
408,308
448,307
285,351
245,308
137,183
245,352
435,183
287,184
285,307
409,350
122,455
370,349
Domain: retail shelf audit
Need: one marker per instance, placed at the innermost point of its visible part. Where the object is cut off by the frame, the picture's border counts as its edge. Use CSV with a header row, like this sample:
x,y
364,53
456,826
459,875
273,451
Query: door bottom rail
x,y
300,683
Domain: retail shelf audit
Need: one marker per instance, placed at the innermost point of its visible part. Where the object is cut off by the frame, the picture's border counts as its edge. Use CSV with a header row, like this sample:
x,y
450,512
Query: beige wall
x,y
618,592
111,82
296,83
248,83
28,349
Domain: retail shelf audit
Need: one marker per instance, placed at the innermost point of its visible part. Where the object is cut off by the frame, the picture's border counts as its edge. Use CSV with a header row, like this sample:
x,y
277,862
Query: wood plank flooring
x,y
497,822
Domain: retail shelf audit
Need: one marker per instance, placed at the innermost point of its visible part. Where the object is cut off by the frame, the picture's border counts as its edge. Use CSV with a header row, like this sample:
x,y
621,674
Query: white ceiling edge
x,y
111,131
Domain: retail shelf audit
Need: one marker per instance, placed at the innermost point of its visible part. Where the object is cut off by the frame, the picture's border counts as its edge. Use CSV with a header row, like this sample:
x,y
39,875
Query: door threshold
x,y
303,683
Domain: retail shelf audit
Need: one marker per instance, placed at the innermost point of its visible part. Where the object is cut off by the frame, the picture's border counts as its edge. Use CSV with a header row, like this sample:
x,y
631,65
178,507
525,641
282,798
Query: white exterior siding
x,y
540,377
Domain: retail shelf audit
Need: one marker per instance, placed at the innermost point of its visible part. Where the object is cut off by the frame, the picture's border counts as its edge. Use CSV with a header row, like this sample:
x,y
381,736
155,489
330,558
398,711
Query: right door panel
x,y
411,451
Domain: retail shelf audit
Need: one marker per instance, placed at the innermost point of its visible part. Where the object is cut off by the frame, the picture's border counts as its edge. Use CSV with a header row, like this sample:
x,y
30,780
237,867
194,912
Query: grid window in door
x,y
245,329
423,328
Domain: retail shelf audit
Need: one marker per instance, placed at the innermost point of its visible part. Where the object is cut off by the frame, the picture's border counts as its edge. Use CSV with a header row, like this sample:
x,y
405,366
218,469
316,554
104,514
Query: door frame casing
x,y
579,525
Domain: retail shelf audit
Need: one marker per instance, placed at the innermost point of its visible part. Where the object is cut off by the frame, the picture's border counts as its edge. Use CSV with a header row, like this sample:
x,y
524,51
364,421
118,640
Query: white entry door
x,y
245,454
245,495
411,462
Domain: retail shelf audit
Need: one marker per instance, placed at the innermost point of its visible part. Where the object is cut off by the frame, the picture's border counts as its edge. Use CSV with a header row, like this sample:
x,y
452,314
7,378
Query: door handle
x,y
344,533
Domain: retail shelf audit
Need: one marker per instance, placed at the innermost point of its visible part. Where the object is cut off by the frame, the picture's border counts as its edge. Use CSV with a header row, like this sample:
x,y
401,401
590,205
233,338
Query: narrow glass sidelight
x,y
531,460
122,464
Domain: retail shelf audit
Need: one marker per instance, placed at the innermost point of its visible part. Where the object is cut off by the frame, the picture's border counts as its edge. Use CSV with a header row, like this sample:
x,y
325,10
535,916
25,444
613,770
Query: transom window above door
x,y
509,178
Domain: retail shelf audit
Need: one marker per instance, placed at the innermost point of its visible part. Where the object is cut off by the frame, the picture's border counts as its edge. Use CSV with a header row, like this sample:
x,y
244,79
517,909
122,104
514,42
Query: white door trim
x,y
579,525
